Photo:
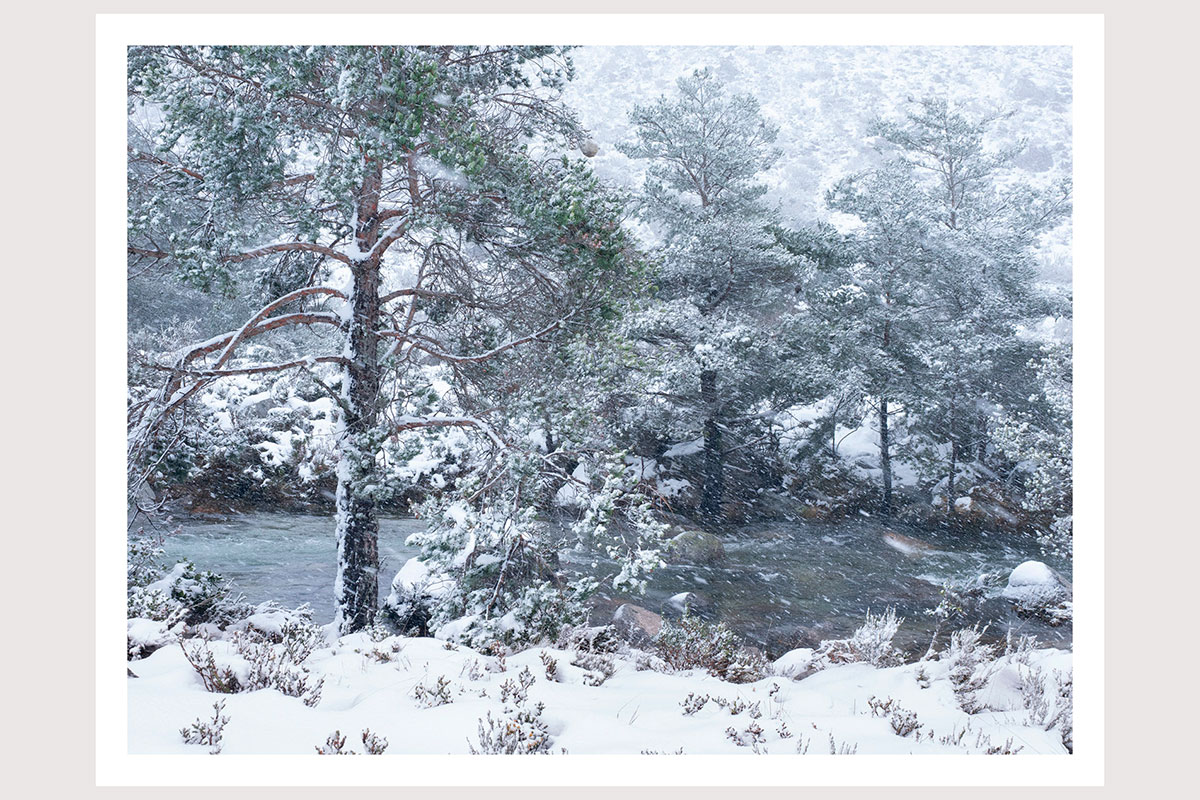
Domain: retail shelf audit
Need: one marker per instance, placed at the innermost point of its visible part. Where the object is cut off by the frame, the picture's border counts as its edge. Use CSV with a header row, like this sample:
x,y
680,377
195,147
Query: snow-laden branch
x,y
175,394
211,374
426,293
413,423
269,324
279,247
252,323
285,247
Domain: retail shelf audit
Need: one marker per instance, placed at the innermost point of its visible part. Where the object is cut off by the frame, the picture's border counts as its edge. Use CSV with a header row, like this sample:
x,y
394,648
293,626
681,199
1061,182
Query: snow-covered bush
x,y
291,628
693,703
589,639
251,661
162,602
871,643
691,643
494,557
1049,698
335,744
208,732
435,694
520,729
600,667
970,663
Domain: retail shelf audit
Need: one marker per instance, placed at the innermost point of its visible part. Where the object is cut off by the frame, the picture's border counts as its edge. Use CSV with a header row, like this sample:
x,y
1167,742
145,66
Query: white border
x,y
1085,33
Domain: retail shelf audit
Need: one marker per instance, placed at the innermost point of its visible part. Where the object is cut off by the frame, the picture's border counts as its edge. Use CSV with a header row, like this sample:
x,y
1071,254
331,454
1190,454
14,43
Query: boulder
x,y
589,148
687,603
794,664
637,624
695,547
1033,586
906,544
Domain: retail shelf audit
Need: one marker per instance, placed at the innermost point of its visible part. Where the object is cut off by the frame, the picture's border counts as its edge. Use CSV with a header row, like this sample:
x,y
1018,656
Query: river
x,y
781,585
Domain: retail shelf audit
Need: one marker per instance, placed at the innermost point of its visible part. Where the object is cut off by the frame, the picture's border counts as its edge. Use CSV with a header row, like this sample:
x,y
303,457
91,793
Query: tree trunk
x,y
885,458
714,467
357,586
953,467
982,440
953,453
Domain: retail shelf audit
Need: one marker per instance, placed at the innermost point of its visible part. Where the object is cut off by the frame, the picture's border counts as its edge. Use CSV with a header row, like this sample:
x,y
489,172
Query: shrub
x,y
691,643
693,703
517,690
335,745
970,665
262,664
1049,699
595,639
207,731
903,721
600,666
870,644
432,696
550,664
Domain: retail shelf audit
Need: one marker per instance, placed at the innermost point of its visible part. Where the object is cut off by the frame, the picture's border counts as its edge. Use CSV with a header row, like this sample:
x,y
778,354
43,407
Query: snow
x,y
370,684
147,635
794,662
1033,584
1031,573
415,578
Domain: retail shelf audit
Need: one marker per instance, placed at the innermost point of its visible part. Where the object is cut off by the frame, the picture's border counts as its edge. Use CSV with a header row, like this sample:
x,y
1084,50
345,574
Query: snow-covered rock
x,y
794,663
144,636
686,602
1035,588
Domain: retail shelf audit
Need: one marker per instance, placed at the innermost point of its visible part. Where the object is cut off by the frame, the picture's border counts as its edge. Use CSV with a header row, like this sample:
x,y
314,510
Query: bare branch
x,y
458,359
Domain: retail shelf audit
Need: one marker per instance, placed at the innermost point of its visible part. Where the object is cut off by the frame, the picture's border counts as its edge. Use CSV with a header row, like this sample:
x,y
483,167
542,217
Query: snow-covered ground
x,y
391,687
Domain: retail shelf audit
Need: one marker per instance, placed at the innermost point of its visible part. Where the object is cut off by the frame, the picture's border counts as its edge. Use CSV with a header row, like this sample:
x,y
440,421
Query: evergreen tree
x,y
944,263
724,277
439,223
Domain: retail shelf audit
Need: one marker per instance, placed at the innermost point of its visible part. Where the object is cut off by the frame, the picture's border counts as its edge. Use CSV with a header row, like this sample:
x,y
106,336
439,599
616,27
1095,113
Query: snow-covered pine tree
x,y
942,267
881,295
983,239
430,188
724,280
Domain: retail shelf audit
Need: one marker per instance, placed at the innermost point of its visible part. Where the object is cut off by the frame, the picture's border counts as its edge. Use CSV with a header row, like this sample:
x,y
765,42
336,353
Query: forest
x,y
729,381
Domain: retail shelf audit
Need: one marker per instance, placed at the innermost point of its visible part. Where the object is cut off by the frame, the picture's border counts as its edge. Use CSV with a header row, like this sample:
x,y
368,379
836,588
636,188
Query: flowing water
x,y
781,585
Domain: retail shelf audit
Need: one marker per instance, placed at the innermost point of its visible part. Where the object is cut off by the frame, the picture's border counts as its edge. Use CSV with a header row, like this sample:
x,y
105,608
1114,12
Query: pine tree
x,y
439,223
943,272
723,277
982,241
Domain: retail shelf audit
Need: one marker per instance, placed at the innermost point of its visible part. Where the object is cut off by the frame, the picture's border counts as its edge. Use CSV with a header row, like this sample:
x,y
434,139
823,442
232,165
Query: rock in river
x,y
906,544
687,603
1034,585
695,547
